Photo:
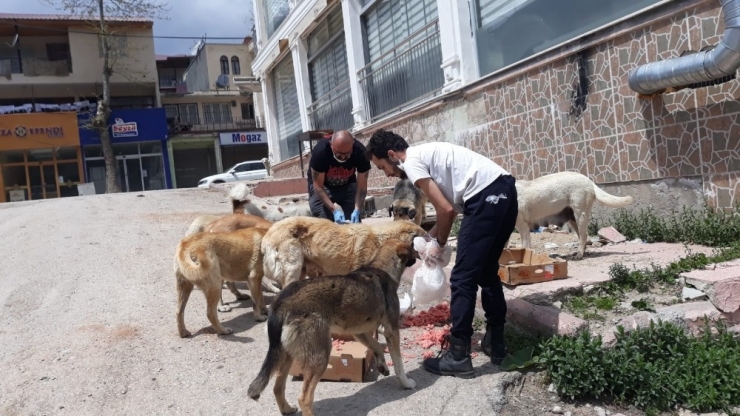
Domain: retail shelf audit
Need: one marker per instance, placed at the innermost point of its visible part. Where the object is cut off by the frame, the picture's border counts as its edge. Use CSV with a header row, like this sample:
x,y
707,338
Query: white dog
x,y
242,200
559,198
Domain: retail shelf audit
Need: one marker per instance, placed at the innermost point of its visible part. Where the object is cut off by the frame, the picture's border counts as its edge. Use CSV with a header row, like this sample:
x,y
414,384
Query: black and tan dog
x,y
306,313
408,202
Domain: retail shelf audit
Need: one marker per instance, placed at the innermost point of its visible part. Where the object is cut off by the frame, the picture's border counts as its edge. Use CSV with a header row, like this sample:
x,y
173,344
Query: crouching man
x,y
337,178
457,180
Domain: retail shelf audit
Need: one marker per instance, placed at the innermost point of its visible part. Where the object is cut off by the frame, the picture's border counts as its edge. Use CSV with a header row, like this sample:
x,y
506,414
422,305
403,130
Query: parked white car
x,y
245,171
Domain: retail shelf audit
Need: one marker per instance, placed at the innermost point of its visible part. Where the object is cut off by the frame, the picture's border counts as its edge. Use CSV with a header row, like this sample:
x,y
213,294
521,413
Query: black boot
x,y
493,344
453,360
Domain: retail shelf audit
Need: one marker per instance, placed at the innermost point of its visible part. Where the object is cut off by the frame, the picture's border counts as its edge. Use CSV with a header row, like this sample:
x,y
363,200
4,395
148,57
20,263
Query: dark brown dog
x,y
306,313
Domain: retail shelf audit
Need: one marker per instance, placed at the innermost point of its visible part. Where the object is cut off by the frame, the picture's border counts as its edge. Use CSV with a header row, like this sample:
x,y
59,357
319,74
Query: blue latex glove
x,y
339,217
355,216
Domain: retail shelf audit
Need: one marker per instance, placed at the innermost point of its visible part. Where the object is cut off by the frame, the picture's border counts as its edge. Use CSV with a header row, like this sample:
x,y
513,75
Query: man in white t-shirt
x,y
456,180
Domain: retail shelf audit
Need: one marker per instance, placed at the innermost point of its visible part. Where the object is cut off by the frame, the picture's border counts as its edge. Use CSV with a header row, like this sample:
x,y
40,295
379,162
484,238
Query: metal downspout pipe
x,y
703,66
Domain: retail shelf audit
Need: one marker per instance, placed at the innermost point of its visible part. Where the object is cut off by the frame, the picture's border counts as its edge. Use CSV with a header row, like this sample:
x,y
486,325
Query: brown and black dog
x,y
306,313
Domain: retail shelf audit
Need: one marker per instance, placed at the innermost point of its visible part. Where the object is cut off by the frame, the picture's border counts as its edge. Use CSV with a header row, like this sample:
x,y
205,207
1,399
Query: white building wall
x,y
459,58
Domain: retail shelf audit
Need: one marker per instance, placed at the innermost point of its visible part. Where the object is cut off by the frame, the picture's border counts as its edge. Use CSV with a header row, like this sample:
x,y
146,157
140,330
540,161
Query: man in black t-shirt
x,y
337,178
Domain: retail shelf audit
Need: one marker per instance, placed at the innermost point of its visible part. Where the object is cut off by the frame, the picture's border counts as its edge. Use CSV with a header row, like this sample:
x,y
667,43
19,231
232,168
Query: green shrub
x,y
705,226
655,368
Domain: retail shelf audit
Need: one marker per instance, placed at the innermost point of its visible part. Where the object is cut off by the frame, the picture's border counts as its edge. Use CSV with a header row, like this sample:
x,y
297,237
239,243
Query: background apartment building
x,y
540,86
53,64
209,99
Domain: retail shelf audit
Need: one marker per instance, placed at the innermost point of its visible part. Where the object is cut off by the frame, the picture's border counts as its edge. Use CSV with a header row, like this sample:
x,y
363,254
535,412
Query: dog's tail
x,y
273,358
195,260
610,200
238,195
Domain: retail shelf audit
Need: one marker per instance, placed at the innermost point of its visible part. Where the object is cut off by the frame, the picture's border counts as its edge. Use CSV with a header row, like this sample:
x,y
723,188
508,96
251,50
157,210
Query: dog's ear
x,y
412,213
390,211
411,255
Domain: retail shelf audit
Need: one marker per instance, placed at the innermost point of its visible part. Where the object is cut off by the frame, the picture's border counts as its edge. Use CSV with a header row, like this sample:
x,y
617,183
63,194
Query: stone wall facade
x,y
688,141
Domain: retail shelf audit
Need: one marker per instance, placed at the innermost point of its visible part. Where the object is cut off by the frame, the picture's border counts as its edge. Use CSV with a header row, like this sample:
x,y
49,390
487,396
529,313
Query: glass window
x,y
509,31
217,112
40,155
247,111
288,113
276,11
11,156
328,74
93,151
66,153
404,55
126,149
224,65
150,147
235,67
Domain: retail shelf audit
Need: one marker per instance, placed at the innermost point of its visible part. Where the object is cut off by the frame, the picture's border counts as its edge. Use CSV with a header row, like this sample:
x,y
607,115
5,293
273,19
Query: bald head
x,y
342,144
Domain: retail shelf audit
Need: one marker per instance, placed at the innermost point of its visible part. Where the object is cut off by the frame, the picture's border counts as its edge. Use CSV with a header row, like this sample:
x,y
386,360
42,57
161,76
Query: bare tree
x,y
95,12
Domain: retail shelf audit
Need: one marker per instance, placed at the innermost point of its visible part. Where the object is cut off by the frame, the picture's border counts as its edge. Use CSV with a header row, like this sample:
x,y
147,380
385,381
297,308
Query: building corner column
x,y
459,55
270,116
302,82
355,59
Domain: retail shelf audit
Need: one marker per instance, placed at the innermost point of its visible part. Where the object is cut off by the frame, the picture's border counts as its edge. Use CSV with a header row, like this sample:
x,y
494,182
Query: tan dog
x,y
205,259
233,222
200,223
557,198
305,313
336,249
242,200
228,223
408,203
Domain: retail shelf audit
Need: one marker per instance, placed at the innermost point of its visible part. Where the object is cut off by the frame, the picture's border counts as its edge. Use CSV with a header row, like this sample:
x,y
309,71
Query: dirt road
x,y
87,323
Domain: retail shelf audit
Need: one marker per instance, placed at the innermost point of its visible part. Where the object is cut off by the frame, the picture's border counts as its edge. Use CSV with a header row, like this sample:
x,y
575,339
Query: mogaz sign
x,y
247,137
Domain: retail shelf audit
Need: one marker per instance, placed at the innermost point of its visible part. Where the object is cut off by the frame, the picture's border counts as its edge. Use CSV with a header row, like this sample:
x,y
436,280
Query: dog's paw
x,y
383,369
243,296
226,331
224,308
260,318
408,384
185,334
289,411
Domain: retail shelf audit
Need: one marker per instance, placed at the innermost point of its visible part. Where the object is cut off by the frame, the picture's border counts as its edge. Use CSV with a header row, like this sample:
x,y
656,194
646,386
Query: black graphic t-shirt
x,y
337,174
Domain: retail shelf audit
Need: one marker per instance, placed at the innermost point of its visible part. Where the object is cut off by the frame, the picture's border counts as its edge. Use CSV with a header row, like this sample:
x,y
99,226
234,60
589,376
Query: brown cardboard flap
x,y
348,362
523,266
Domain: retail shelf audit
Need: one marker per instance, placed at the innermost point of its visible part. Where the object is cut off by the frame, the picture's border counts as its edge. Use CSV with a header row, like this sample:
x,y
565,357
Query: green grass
x,y
704,226
657,368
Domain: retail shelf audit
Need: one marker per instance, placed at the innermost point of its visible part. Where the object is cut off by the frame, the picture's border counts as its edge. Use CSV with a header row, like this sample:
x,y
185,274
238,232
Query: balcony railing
x,y
405,74
333,110
212,126
33,67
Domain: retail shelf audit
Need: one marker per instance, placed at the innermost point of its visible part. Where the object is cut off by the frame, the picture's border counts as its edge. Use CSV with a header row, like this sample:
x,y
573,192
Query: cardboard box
x,y
523,266
349,362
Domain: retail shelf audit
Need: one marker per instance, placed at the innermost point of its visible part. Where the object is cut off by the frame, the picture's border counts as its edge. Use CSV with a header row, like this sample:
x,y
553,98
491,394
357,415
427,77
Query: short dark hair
x,y
382,141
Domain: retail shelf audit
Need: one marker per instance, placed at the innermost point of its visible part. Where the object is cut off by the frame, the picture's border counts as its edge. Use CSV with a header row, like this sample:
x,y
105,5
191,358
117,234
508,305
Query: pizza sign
x,y
124,129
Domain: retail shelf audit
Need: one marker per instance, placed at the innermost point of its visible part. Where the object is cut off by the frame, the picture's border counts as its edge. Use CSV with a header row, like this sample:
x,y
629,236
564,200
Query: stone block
x,y
721,284
545,293
545,320
612,235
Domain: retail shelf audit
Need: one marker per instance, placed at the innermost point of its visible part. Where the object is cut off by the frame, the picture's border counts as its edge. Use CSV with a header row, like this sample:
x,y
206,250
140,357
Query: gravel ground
x,y
87,323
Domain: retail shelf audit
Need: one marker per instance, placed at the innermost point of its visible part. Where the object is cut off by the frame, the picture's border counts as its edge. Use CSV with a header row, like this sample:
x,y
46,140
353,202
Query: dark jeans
x,y
342,195
486,226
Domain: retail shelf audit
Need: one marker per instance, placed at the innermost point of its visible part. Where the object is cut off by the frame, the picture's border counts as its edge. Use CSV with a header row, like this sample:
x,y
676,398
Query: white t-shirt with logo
x,y
459,172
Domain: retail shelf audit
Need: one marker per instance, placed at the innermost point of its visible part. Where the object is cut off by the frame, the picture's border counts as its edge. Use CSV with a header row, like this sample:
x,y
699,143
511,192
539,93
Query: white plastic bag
x,y
430,282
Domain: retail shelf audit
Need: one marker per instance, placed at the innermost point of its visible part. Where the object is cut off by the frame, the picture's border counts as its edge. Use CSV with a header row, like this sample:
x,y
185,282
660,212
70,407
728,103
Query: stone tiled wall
x,y
525,124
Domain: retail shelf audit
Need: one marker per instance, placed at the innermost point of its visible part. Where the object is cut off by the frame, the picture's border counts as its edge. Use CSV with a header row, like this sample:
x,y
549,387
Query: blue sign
x,y
242,137
126,126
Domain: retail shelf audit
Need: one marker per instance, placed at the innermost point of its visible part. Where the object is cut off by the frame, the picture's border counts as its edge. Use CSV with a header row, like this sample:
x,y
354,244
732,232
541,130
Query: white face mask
x,y
338,159
399,164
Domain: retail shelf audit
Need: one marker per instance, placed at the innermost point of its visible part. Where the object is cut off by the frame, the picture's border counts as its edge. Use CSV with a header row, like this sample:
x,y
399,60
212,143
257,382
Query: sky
x,y
192,18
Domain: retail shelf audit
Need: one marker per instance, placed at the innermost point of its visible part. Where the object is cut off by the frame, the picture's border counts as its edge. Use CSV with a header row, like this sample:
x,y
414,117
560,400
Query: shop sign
x,y
246,137
25,131
124,129
38,130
